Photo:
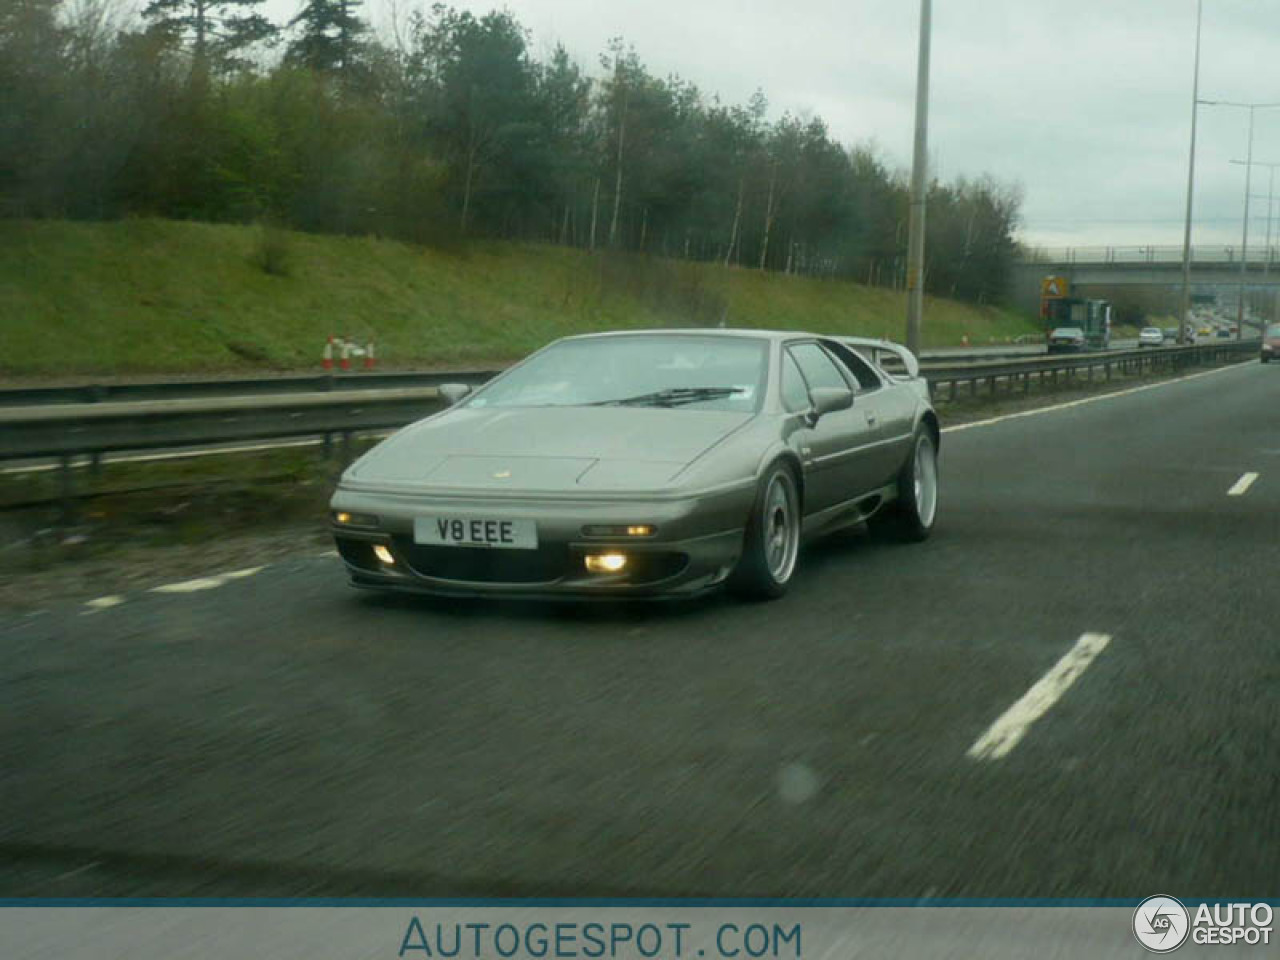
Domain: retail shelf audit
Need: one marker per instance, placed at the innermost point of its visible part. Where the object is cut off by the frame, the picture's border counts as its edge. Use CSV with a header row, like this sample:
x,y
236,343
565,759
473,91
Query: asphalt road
x,y
278,733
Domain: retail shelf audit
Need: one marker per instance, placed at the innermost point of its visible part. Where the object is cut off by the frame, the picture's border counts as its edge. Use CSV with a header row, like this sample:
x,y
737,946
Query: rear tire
x,y
911,517
772,540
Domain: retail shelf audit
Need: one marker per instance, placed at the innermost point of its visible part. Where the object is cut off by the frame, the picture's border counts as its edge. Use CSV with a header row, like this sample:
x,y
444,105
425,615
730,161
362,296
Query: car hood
x,y
545,448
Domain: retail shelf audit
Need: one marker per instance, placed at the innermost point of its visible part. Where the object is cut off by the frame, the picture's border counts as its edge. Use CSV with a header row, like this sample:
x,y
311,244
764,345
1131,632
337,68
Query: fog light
x,y
606,562
383,554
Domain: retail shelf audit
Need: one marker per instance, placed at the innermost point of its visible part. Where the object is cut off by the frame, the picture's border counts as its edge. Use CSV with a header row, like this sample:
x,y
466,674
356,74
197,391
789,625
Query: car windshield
x,y
1273,330
652,370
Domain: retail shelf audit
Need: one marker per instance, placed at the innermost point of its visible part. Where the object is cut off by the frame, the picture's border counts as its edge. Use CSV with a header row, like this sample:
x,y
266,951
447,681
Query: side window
x,y
795,395
858,367
818,368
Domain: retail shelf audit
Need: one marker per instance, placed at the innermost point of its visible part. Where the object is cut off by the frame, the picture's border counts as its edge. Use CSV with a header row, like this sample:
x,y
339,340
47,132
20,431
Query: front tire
x,y
772,540
910,518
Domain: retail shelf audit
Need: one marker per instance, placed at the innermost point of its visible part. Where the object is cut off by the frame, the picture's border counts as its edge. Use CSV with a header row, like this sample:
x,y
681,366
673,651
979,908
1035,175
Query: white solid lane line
x,y
1241,486
1003,735
1115,395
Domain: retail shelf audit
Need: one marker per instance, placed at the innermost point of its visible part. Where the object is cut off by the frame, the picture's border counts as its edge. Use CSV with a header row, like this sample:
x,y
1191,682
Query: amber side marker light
x,y
345,519
619,530
383,554
606,562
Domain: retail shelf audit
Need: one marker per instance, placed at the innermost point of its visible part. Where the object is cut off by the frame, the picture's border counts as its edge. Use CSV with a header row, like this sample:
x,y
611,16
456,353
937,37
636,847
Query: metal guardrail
x,y
243,387
1014,373
64,431
1256,255
322,383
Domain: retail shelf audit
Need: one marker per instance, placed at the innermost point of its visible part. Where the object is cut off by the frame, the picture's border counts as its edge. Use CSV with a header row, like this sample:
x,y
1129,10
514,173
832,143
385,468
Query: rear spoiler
x,y
889,356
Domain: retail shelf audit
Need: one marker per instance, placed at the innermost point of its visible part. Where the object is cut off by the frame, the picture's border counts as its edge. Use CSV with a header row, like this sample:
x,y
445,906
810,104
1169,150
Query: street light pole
x,y
919,188
1266,256
1244,243
1271,193
1191,177
1244,240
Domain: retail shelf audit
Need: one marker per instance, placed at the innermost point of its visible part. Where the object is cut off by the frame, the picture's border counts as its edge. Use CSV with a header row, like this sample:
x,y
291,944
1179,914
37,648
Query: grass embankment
x,y
164,297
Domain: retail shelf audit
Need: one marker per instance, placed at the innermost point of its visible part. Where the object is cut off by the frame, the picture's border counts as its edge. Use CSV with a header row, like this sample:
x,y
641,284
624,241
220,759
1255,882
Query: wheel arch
x,y
930,420
781,453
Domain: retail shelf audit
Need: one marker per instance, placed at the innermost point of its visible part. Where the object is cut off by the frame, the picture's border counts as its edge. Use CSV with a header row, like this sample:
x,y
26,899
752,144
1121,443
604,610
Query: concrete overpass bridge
x,y
1090,269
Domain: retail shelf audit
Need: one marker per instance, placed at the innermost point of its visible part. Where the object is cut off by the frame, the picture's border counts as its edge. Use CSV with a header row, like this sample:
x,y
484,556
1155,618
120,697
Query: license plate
x,y
476,532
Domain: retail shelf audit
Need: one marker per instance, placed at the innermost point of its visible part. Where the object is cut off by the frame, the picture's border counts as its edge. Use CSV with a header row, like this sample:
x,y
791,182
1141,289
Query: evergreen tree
x,y
217,31
330,37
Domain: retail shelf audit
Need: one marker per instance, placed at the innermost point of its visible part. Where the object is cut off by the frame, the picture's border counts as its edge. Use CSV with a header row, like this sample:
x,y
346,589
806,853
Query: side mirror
x,y
453,392
829,400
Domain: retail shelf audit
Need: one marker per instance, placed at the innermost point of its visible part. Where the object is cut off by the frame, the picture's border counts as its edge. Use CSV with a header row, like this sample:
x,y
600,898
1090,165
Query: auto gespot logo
x,y
1162,924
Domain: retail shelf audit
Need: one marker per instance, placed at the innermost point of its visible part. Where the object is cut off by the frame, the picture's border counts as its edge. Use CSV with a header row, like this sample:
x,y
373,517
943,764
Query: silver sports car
x,y
643,463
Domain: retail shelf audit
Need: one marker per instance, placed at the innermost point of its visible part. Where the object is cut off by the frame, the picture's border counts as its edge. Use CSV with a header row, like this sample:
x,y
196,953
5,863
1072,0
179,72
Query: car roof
x,y
737,332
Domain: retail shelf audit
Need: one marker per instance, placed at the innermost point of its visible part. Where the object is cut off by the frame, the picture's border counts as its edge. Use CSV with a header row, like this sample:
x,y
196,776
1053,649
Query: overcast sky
x,y
1085,103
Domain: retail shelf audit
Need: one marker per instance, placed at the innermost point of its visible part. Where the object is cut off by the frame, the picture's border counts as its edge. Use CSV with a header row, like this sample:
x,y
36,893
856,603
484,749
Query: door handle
x,y
871,418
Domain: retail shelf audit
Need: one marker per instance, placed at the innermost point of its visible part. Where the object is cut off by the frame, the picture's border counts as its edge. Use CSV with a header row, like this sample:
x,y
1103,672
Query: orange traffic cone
x,y
345,362
370,360
327,361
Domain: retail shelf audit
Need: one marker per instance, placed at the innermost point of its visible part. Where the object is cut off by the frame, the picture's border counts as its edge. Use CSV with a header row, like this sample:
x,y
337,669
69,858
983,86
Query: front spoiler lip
x,y
541,593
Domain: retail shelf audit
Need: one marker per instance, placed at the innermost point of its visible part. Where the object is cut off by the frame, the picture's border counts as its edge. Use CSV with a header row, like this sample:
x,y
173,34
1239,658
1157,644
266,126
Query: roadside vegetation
x,y
156,296
446,131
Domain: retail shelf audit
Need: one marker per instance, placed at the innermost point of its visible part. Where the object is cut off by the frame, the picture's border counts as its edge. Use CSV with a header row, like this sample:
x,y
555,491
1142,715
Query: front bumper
x,y
697,543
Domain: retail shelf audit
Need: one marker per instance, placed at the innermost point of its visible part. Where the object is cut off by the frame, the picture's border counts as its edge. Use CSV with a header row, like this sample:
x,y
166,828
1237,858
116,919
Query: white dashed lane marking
x,y
103,603
1241,486
205,583
1012,725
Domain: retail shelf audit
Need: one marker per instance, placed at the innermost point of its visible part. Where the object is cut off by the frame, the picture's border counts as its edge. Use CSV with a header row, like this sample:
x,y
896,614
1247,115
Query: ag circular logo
x,y
1161,924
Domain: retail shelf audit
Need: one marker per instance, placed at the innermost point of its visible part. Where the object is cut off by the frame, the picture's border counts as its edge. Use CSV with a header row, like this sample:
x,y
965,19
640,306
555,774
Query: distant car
x,y
1066,340
1224,333
1151,337
1205,331
1271,343
1170,334
646,462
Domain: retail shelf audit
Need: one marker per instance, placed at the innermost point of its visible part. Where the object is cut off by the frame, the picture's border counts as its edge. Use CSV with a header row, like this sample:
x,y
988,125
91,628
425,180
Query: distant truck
x,y
1091,316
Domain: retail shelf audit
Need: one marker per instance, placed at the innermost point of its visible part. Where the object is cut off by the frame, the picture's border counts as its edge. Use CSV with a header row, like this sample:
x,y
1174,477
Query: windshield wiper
x,y
671,397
